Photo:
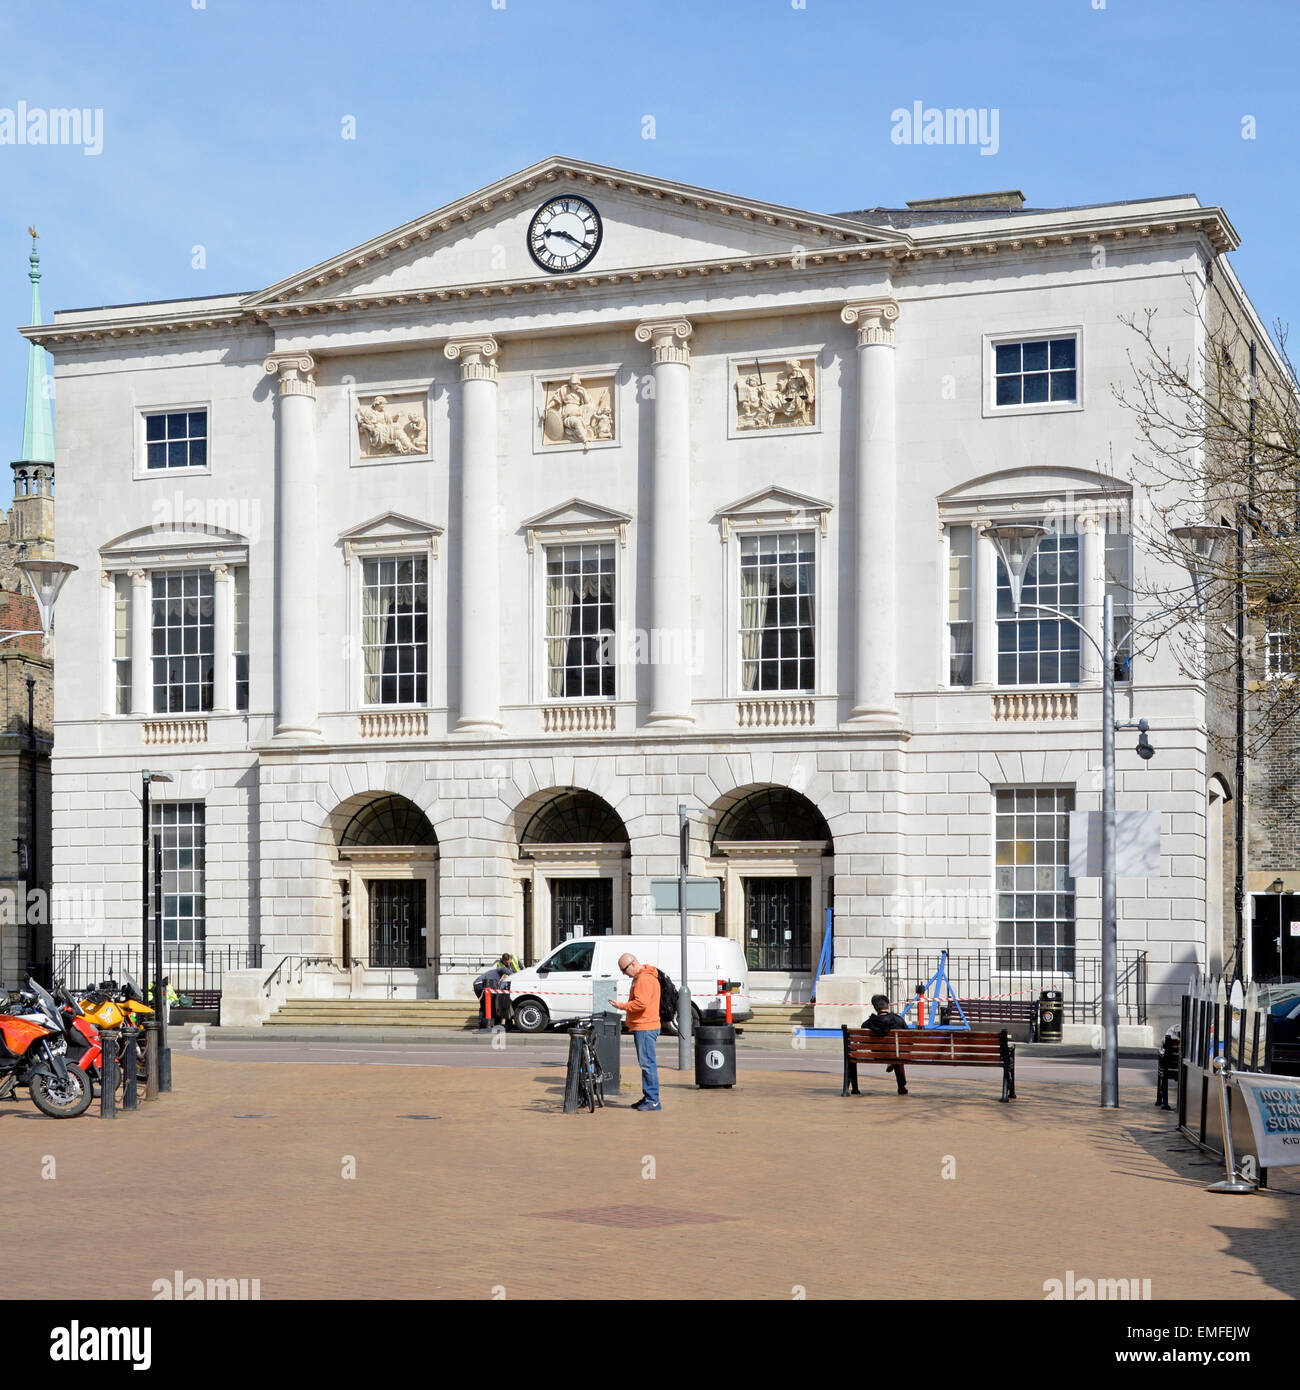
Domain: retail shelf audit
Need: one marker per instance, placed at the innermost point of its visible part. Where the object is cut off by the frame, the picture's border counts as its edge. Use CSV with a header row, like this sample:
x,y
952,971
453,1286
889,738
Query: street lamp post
x,y
146,877
1204,546
1016,543
46,578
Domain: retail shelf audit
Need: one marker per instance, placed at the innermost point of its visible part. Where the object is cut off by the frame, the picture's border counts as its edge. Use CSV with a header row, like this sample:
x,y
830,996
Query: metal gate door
x,y
581,907
778,923
397,922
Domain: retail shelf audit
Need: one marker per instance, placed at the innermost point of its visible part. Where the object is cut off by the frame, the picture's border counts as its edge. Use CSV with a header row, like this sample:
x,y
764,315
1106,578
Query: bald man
x,y
642,1008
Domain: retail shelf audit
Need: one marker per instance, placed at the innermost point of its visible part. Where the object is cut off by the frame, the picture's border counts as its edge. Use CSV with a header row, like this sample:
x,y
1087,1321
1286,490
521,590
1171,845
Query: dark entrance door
x,y
397,922
1275,936
581,907
778,923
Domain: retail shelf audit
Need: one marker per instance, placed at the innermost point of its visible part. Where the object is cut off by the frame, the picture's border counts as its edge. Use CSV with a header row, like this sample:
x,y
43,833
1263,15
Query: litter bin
x,y
715,1055
608,1027
1050,1015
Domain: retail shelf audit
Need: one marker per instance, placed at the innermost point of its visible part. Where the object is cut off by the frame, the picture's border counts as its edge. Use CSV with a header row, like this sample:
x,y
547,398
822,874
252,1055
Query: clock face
x,y
564,234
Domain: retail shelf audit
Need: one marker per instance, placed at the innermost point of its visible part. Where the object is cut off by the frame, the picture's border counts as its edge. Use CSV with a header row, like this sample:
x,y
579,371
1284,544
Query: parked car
x,y
559,988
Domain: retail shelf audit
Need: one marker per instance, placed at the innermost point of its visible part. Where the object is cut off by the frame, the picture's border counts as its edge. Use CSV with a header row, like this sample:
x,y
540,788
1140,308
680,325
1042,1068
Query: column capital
x,y
220,570
875,319
138,576
475,356
295,370
667,339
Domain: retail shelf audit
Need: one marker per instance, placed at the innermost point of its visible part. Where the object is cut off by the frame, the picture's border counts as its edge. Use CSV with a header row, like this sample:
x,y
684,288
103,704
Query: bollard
x,y
728,1008
151,1059
1232,1183
108,1074
130,1069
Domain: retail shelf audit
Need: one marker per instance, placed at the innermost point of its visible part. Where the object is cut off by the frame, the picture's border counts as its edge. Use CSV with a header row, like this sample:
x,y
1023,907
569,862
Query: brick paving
x,y
467,1183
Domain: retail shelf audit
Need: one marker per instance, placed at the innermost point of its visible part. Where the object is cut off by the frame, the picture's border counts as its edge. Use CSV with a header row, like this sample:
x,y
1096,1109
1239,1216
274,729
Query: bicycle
x,y
591,1078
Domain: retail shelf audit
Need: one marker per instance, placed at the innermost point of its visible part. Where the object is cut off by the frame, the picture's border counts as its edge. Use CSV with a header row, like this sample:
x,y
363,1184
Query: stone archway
x,y
775,853
572,869
385,877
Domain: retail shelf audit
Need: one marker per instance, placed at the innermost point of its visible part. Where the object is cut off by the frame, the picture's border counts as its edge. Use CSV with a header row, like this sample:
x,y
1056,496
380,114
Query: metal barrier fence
x,y
81,966
1211,1027
290,969
1014,973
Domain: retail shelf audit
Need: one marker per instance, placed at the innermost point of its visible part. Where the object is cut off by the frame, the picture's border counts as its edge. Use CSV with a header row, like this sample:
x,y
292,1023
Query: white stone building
x,y
440,574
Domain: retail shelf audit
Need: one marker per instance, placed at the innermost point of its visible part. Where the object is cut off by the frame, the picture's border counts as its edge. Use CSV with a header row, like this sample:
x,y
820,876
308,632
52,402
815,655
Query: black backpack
x,y
667,1000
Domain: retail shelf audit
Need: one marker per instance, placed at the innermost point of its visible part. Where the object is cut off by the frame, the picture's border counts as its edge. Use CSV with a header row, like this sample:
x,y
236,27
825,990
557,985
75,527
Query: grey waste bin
x,y
715,1055
608,1027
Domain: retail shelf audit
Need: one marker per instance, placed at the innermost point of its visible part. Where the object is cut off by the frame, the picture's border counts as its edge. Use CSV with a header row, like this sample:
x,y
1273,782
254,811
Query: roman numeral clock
x,y
564,234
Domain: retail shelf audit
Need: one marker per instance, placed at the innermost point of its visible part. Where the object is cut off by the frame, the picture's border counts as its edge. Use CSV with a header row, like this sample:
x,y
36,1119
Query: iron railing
x,y
984,974
187,967
292,968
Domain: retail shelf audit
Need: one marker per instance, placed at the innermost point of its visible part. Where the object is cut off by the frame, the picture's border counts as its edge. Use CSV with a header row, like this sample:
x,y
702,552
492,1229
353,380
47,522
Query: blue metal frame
x,y
940,976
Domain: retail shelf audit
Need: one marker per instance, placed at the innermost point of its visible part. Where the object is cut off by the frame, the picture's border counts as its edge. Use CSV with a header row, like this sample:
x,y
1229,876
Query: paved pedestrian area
x,y
454,1182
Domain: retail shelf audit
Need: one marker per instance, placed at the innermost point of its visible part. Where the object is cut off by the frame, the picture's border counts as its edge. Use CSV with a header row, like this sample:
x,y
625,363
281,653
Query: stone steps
x,y
375,1013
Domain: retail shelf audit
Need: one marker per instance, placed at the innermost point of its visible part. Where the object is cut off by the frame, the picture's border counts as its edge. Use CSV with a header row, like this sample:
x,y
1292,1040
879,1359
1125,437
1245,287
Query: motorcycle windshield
x,y
45,1002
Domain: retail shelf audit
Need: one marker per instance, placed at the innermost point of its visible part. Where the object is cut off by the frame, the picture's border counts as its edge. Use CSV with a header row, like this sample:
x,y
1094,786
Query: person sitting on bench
x,y
885,1021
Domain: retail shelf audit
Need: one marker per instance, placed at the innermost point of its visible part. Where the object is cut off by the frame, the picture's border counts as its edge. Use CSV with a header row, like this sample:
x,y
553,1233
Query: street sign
x,y
702,895
1137,844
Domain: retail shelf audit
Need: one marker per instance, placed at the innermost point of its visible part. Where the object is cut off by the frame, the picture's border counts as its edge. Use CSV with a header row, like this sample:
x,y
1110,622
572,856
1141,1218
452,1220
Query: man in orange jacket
x,y
642,1006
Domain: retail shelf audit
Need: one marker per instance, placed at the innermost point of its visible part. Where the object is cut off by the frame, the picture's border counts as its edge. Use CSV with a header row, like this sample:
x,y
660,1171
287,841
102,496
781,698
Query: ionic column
x,y
1092,589
670,530
297,691
985,570
223,640
480,600
877,515
141,644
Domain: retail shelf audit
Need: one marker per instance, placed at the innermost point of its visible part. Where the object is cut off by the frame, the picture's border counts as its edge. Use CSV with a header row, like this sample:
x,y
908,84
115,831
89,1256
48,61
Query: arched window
x,y
388,821
772,813
574,817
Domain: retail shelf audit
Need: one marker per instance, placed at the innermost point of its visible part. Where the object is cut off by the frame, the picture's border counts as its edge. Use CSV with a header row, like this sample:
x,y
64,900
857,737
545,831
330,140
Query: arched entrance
x,y
572,871
386,885
775,854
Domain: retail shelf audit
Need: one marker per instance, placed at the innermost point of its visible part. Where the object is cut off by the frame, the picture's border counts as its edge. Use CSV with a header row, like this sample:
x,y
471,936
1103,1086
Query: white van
x,y
558,988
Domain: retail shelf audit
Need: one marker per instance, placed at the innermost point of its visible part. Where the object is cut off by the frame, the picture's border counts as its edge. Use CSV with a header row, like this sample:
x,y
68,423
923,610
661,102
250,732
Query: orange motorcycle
x,y
33,1053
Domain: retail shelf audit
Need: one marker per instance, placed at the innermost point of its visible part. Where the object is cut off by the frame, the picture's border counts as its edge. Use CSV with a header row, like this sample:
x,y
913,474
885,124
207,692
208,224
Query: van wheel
x,y
531,1016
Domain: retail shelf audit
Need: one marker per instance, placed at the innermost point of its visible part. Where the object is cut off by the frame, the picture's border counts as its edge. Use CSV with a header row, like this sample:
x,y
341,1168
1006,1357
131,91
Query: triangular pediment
x,y
772,505
647,223
577,512
576,519
389,526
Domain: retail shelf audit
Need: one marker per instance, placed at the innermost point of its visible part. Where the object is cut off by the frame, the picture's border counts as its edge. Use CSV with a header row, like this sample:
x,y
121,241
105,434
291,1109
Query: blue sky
x,y
223,119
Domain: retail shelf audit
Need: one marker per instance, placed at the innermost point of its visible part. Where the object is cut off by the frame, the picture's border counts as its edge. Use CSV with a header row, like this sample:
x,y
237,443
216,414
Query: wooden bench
x,y
1009,1013
206,1007
1166,1067
925,1047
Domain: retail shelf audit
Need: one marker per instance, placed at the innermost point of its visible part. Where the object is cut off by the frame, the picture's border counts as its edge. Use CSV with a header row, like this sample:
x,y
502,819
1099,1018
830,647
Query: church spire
x,y
38,422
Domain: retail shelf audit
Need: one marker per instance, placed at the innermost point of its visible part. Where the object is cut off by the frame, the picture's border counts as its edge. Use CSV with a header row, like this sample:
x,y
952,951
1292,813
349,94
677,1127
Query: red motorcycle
x,y
33,1053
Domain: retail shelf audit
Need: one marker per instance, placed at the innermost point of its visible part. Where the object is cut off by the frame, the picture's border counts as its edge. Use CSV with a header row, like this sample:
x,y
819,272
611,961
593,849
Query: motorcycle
x,y
33,1053
110,1005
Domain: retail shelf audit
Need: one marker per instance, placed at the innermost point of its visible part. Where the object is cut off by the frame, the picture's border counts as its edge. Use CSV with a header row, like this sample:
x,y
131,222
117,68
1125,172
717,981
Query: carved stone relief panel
x,y
393,425
773,393
577,410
